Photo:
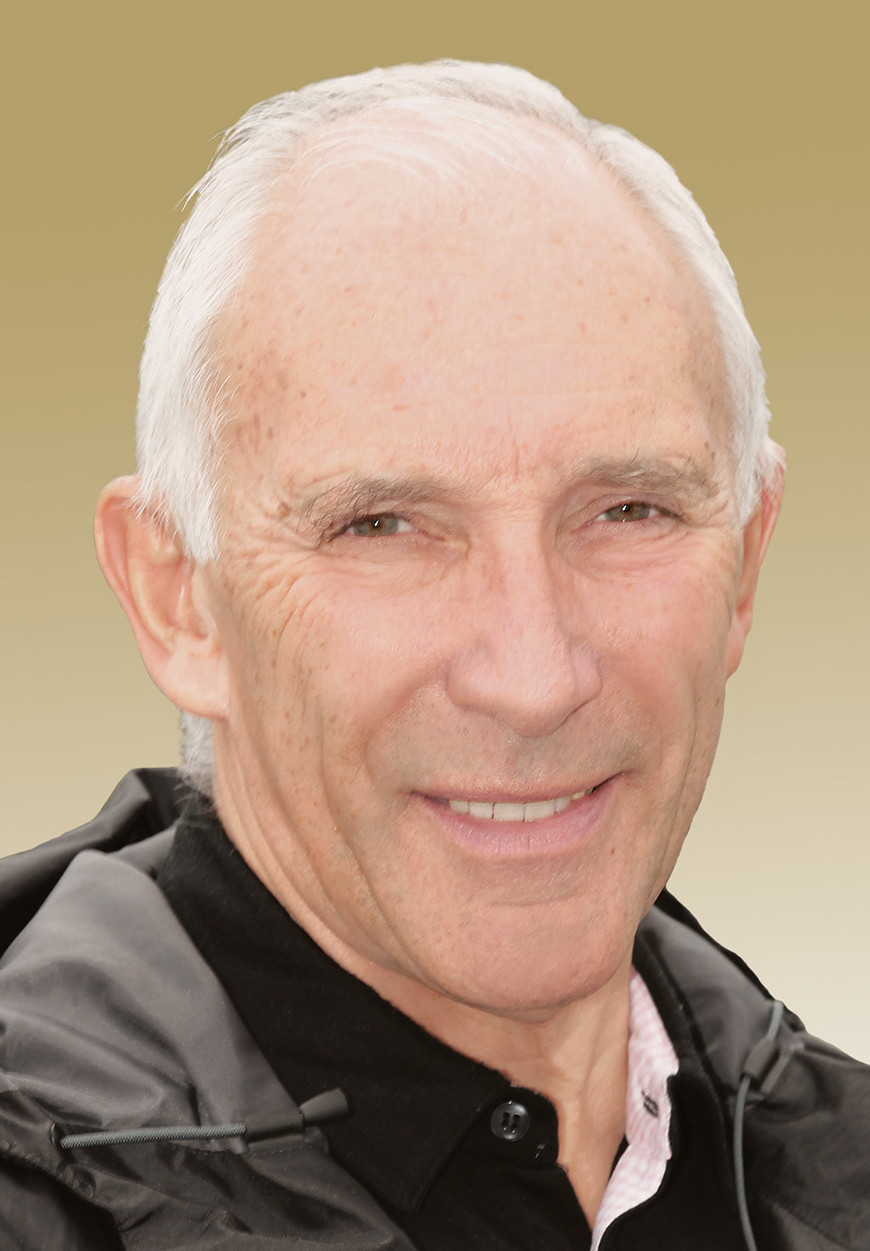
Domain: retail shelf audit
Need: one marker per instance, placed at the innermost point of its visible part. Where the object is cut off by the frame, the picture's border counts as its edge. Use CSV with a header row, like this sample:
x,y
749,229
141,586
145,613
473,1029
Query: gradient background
x,y
762,109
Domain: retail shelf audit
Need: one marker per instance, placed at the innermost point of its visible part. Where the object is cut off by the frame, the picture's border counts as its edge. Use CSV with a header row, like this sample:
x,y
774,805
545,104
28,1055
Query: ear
x,y
165,597
756,536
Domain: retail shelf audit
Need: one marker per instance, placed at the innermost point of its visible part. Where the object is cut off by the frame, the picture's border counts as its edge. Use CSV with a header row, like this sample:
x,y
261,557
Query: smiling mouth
x,y
497,811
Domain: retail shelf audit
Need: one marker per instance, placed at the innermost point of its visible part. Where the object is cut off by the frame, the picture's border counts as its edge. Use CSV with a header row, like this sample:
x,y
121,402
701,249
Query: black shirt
x,y
429,1133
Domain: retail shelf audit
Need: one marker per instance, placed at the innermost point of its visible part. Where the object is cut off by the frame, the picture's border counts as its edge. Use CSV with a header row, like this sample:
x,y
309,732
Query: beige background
x,y
761,108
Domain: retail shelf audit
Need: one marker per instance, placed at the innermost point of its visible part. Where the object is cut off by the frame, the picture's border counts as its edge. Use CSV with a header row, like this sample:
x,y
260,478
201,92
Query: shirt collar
x,y
652,1062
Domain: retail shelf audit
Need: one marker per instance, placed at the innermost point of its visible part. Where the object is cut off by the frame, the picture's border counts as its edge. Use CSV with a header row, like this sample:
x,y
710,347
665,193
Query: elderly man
x,y
454,488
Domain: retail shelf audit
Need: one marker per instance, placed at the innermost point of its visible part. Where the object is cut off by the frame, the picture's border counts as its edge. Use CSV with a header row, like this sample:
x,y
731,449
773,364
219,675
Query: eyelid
x,y
360,519
636,502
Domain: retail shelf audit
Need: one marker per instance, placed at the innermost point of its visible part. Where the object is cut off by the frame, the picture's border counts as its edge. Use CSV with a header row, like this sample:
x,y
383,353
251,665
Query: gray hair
x,y
181,401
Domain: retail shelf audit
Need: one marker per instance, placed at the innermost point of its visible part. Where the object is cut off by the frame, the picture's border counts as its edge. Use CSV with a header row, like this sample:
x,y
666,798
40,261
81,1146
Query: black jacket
x,y
109,1017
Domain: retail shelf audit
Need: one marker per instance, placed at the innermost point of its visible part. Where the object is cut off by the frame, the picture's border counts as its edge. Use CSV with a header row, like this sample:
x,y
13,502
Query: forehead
x,y
470,258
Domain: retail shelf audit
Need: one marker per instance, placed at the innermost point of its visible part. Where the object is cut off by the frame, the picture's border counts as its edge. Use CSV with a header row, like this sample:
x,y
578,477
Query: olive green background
x,y
108,112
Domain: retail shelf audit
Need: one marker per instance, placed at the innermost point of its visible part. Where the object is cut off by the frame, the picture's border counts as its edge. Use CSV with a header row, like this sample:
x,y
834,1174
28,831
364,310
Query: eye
x,y
631,510
379,525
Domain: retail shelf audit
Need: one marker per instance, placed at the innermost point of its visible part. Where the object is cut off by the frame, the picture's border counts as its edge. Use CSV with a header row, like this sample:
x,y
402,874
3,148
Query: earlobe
x,y
162,592
756,537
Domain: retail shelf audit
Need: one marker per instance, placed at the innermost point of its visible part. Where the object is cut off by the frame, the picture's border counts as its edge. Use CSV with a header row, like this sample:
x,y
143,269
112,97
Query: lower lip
x,y
564,831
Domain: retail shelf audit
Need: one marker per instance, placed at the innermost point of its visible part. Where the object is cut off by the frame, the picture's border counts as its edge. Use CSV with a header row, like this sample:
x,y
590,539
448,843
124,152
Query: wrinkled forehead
x,y
399,226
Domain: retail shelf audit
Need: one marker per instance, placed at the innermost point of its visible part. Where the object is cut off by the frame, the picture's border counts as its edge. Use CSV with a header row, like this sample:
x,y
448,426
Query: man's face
x,y
479,572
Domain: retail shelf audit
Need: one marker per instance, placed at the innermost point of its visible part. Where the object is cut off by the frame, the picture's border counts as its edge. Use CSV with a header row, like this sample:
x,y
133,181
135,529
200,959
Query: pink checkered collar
x,y
651,1061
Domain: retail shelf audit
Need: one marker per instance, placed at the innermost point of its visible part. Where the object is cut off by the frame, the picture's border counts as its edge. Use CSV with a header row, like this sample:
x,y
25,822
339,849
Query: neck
x,y
576,1055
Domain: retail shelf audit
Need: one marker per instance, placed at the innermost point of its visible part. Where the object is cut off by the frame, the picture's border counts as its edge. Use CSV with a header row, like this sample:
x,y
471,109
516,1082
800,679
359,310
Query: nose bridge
x,y
522,656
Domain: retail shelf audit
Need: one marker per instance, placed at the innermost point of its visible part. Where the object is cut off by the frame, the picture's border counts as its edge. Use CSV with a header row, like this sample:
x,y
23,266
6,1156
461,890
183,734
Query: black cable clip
x,y
760,1060
332,1105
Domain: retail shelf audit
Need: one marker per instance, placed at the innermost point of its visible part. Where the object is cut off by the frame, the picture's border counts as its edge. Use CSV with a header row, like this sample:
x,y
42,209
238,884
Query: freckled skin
x,y
509,640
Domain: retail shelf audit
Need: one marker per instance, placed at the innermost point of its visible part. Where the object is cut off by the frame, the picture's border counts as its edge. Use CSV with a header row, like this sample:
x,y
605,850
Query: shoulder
x,y
807,1125
110,1018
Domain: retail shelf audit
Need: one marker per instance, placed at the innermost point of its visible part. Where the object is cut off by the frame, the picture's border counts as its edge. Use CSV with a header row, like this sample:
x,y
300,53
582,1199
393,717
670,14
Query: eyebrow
x,y
658,473
359,494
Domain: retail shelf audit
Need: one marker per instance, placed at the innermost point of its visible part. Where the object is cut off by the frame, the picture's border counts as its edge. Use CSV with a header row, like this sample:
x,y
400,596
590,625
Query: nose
x,y
522,657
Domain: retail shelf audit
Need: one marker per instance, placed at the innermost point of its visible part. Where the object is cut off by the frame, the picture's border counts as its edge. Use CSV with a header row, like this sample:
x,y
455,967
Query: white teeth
x,y
514,812
509,812
480,810
537,812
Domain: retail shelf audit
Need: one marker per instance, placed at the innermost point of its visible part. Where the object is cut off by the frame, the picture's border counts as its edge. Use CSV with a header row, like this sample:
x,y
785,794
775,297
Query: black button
x,y
510,1121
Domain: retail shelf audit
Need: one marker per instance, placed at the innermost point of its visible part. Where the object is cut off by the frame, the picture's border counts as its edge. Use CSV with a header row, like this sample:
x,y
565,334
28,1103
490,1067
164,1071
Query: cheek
x,y
327,667
674,627
273,649
667,668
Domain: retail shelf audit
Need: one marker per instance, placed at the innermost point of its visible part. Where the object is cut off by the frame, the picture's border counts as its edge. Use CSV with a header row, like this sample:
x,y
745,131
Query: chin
x,y
538,978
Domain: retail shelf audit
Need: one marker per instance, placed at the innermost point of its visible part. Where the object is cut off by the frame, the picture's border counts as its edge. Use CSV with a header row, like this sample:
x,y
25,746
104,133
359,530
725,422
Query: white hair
x,y
181,400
